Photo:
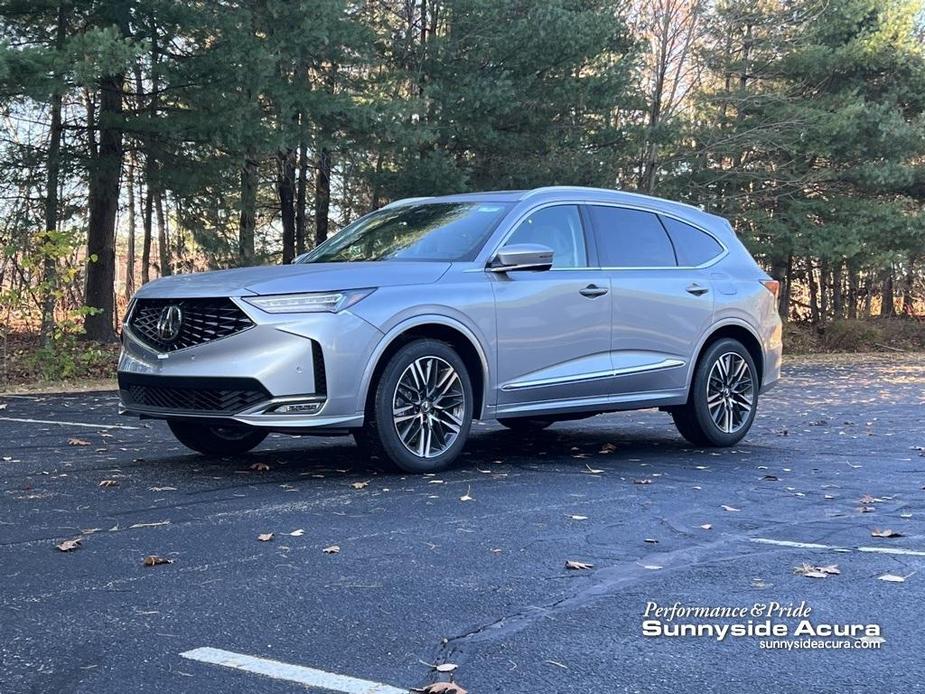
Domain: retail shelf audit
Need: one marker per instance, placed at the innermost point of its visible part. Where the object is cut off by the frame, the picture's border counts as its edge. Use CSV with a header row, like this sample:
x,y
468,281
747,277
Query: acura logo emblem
x,y
169,323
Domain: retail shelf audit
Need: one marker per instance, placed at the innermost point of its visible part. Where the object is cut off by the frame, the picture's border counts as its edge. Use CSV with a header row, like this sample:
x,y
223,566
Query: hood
x,y
291,279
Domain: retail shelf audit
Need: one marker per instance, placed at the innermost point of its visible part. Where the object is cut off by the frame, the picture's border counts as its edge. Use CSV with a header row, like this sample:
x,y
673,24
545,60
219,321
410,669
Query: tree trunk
x,y
824,289
322,195
887,297
146,216
909,287
852,291
163,242
248,219
130,247
50,256
300,198
103,203
285,187
868,295
813,292
838,297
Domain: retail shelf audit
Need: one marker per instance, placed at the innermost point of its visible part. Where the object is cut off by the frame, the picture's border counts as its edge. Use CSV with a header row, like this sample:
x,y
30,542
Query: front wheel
x,y
216,439
421,409
723,398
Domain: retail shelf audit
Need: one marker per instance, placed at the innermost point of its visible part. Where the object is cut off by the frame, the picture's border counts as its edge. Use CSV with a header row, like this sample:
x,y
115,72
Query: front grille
x,y
202,395
202,320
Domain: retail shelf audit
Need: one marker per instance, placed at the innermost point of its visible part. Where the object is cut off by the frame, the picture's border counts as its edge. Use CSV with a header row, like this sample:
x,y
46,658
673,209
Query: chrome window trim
x,y
621,205
593,376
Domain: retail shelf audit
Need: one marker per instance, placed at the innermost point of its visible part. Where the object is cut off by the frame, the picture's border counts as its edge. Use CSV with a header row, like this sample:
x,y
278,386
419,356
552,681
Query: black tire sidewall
x,y
383,427
698,397
200,437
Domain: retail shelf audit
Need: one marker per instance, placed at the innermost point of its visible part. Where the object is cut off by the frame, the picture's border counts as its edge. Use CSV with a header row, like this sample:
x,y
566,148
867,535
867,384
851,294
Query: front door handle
x,y
697,290
592,291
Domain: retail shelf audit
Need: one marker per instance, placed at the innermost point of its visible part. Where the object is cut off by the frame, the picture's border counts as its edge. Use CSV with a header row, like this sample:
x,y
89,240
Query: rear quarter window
x,y
693,247
630,238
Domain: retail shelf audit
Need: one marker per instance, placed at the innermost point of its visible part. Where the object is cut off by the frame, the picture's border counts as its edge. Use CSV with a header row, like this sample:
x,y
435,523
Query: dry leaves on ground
x,y
333,549
154,560
886,532
260,467
731,509
109,483
445,667
593,471
706,526
69,545
812,571
442,688
265,537
578,518
297,533
359,485
577,565
78,442
466,497
644,481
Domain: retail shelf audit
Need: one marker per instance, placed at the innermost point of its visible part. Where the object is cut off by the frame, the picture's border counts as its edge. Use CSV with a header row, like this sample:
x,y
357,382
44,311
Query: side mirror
x,y
522,256
299,258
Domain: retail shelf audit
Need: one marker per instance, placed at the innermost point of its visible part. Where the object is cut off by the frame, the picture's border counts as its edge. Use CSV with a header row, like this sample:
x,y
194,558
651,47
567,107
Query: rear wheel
x,y
525,424
216,439
723,398
421,409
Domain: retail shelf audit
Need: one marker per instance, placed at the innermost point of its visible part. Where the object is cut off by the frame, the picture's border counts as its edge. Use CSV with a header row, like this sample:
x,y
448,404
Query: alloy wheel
x,y
428,406
730,392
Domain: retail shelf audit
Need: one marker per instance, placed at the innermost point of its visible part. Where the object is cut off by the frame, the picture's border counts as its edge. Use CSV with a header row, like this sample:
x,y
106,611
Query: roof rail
x,y
404,201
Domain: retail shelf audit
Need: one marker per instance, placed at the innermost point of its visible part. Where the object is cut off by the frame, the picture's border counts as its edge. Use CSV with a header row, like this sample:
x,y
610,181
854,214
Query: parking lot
x,y
466,567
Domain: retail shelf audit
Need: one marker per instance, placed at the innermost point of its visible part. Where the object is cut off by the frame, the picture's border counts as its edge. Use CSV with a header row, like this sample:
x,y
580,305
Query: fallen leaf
x,y
593,471
359,485
608,448
730,508
651,541
78,442
109,483
885,533
770,478
69,545
651,567
265,537
260,467
333,549
893,578
645,481
466,497
154,560
811,571
3,406
578,518
162,489
297,533
446,667
706,526
577,565
149,525
442,688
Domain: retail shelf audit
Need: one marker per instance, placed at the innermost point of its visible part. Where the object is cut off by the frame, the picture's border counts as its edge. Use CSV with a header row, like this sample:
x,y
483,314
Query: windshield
x,y
441,231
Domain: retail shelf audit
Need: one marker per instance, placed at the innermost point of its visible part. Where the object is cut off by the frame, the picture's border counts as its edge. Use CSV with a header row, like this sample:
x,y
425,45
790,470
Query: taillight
x,y
772,286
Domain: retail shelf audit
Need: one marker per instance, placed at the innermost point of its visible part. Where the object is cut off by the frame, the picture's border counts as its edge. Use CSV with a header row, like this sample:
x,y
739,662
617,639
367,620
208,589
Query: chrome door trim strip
x,y
594,376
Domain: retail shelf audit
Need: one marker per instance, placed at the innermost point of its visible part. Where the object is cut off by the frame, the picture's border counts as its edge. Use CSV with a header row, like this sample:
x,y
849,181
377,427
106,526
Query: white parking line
x,y
813,545
70,424
307,676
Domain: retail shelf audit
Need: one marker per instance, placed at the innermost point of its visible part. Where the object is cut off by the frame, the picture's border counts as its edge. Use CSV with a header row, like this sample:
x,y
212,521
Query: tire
x,y
525,424
722,422
211,439
431,429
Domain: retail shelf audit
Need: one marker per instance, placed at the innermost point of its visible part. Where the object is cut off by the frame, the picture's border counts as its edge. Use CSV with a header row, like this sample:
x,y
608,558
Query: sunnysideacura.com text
x,y
773,625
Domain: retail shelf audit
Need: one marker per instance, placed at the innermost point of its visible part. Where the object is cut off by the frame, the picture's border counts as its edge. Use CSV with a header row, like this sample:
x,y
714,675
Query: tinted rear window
x,y
693,246
630,238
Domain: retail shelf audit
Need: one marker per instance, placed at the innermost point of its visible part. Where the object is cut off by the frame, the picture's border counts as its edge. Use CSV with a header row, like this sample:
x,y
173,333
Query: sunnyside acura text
x,y
528,307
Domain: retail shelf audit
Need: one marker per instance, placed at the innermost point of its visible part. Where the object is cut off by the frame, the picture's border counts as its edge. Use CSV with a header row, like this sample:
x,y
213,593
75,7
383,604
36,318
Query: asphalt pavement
x,y
468,567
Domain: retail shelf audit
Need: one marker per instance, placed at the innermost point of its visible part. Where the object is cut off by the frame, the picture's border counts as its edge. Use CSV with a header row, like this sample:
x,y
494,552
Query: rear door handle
x,y
592,291
697,290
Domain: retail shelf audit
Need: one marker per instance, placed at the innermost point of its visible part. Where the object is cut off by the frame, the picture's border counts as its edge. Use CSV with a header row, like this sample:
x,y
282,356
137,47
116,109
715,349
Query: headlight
x,y
314,302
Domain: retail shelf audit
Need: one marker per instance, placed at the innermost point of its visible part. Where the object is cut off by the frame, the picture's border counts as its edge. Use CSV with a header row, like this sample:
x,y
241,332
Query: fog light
x,y
298,408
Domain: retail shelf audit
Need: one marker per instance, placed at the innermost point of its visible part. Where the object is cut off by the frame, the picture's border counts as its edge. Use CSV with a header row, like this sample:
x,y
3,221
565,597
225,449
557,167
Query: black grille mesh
x,y
203,320
218,396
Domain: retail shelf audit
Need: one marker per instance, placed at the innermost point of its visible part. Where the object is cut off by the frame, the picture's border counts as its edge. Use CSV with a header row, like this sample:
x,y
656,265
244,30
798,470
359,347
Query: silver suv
x,y
526,307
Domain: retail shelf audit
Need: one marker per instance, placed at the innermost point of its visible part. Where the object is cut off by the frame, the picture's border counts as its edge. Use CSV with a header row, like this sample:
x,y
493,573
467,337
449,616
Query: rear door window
x,y
630,238
694,247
